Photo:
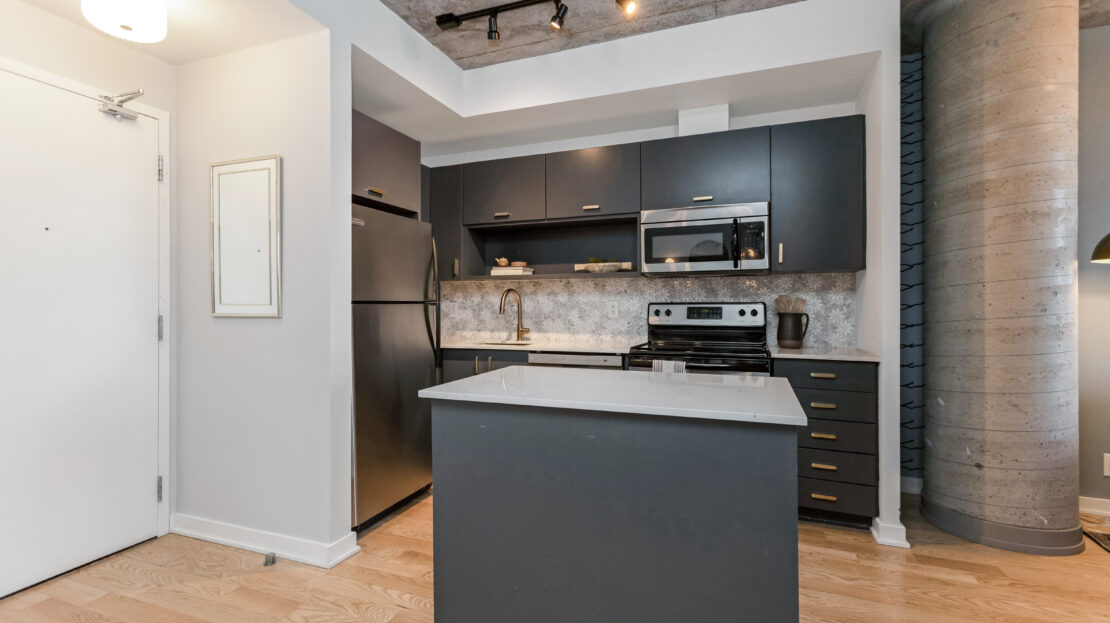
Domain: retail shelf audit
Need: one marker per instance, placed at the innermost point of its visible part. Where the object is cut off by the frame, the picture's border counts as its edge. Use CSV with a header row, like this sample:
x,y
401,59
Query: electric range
x,y
726,338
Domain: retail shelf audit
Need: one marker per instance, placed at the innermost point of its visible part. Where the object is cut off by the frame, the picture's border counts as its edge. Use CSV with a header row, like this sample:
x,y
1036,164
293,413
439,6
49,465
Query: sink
x,y
509,343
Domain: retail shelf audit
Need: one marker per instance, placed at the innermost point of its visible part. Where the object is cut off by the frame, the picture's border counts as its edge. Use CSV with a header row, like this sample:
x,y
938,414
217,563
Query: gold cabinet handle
x,y
455,267
591,207
502,214
780,253
822,405
822,375
822,496
375,191
704,198
476,370
829,436
489,365
824,467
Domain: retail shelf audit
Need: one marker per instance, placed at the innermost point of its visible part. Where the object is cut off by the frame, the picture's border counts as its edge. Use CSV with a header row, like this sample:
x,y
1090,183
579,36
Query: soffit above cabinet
x,y
526,33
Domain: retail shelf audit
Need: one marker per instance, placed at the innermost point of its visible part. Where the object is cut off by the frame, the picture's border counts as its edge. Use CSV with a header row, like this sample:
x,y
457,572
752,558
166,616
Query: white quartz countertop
x,y
733,398
828,354
600,345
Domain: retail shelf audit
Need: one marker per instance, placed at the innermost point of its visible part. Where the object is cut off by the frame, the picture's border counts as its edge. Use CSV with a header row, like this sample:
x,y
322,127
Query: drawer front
x,y
860,469
842,375
831,404
838,497
841,436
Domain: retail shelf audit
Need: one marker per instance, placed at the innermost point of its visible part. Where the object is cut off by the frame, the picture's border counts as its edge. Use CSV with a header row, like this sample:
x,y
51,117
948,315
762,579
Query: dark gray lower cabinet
x,y
461,363
818,196
838,463
504,191
715,168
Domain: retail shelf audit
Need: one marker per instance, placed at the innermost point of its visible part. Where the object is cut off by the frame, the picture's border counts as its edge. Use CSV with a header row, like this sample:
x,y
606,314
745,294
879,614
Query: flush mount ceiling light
x,y
447,21
141,21
1101,254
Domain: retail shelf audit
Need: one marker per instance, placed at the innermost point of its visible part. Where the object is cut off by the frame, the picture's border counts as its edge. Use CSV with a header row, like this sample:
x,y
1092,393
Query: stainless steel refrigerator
x,y
395,311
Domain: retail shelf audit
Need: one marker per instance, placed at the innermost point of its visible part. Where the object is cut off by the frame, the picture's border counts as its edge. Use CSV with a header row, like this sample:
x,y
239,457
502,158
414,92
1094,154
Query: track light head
x,y
560,15
447,21
493,34
628,6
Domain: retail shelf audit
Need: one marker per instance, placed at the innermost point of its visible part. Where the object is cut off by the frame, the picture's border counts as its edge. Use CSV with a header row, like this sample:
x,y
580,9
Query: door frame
x,y
166,230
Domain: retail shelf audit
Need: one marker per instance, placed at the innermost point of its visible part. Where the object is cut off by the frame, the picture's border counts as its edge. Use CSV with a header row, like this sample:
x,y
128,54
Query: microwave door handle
x,y
735,243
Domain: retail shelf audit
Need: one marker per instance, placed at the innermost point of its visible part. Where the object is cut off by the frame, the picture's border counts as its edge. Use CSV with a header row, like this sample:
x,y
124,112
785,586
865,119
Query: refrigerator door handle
x,y
434,336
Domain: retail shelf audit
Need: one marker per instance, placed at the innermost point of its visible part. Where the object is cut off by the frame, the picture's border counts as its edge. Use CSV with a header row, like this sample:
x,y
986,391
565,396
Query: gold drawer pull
x,y
822,466
476,370
822,375
829,436
704,198
822,496
375,191
593,207
780,253
502,214
822,405
489,365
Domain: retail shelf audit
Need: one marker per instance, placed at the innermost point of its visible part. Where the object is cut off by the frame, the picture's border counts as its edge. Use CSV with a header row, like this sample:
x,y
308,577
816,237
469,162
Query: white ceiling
x,y
203,28
389,98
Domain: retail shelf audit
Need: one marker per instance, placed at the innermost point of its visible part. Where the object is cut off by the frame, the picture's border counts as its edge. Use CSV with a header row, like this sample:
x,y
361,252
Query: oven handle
x,y
736,243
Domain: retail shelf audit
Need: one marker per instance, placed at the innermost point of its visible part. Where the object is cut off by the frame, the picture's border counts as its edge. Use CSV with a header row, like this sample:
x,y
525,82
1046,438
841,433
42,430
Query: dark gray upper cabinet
x,y
590,182
818,205
501,191
385,164
717,168
445,214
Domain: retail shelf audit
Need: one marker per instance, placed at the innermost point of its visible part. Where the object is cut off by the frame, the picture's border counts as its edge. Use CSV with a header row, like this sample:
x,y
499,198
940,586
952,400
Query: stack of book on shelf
x,y
497,271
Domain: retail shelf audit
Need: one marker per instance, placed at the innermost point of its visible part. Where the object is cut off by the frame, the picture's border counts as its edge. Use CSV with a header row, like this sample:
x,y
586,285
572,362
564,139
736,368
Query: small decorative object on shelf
x,y
793,323
518,264
511,270
502,261
594,265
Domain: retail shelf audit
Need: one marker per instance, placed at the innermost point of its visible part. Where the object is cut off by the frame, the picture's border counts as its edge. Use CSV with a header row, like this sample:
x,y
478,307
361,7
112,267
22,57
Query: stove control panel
x,y
708,314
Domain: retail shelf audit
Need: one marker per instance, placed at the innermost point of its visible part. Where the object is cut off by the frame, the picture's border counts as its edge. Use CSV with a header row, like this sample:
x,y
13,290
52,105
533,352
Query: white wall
x,y
1094,279
254,395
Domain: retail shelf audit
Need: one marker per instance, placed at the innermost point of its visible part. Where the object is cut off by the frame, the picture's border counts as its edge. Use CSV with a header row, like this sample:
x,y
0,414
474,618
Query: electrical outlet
x,y
613,310
1106,465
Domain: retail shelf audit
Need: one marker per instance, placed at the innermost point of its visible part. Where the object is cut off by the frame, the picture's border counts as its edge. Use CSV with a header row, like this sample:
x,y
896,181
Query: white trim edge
x,y
1094,506
912,485
315,553
893,535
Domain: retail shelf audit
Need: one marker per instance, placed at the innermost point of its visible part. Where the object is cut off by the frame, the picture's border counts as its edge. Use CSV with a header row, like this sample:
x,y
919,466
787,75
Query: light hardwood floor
x,y
845,578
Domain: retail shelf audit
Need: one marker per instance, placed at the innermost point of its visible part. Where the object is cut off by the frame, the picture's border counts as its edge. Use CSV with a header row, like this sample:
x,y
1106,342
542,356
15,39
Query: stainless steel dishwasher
x,y
577,360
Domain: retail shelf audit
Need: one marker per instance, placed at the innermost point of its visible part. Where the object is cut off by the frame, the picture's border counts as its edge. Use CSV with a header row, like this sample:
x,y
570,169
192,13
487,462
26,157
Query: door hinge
x,y
159,488
160,323
160,169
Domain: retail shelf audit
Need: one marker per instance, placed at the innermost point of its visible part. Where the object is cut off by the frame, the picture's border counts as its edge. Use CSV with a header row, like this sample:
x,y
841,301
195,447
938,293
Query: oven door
x,y
725,245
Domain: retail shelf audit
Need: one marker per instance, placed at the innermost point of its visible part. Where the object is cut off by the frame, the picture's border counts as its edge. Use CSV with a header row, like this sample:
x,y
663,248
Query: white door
x,y
78,331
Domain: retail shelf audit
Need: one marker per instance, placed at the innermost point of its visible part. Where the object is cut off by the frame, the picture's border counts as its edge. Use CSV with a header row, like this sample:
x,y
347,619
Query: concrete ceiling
x,y
203,28
526,32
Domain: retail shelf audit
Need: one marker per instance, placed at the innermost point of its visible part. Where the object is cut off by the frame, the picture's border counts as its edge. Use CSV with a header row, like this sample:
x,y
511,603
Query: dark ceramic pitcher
x,y
792,329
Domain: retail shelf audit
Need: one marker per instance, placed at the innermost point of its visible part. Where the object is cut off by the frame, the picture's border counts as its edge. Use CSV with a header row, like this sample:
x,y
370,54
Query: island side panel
x,y
552,516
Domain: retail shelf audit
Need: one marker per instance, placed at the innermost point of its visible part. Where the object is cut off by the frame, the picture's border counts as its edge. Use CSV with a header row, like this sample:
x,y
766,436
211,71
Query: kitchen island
x,y
575,495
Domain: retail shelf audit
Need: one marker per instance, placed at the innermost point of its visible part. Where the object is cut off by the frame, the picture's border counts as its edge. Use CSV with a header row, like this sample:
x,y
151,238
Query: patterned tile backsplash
x,y
576,309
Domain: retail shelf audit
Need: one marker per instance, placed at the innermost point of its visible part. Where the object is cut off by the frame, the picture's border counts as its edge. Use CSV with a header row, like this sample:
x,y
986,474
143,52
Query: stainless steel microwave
x,y
712,239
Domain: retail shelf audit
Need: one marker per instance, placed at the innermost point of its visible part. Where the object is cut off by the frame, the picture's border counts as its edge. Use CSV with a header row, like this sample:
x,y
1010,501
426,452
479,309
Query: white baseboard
x,y
316,553
893,535
912,485
1094,506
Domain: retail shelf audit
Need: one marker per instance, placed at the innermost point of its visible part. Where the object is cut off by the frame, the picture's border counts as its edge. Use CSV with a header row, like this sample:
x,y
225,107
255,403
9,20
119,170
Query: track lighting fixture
x,y
447,21
493,34
560,15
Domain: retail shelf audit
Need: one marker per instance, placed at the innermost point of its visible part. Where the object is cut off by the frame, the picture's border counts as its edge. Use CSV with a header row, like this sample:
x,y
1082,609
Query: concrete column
x,y
1001,195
